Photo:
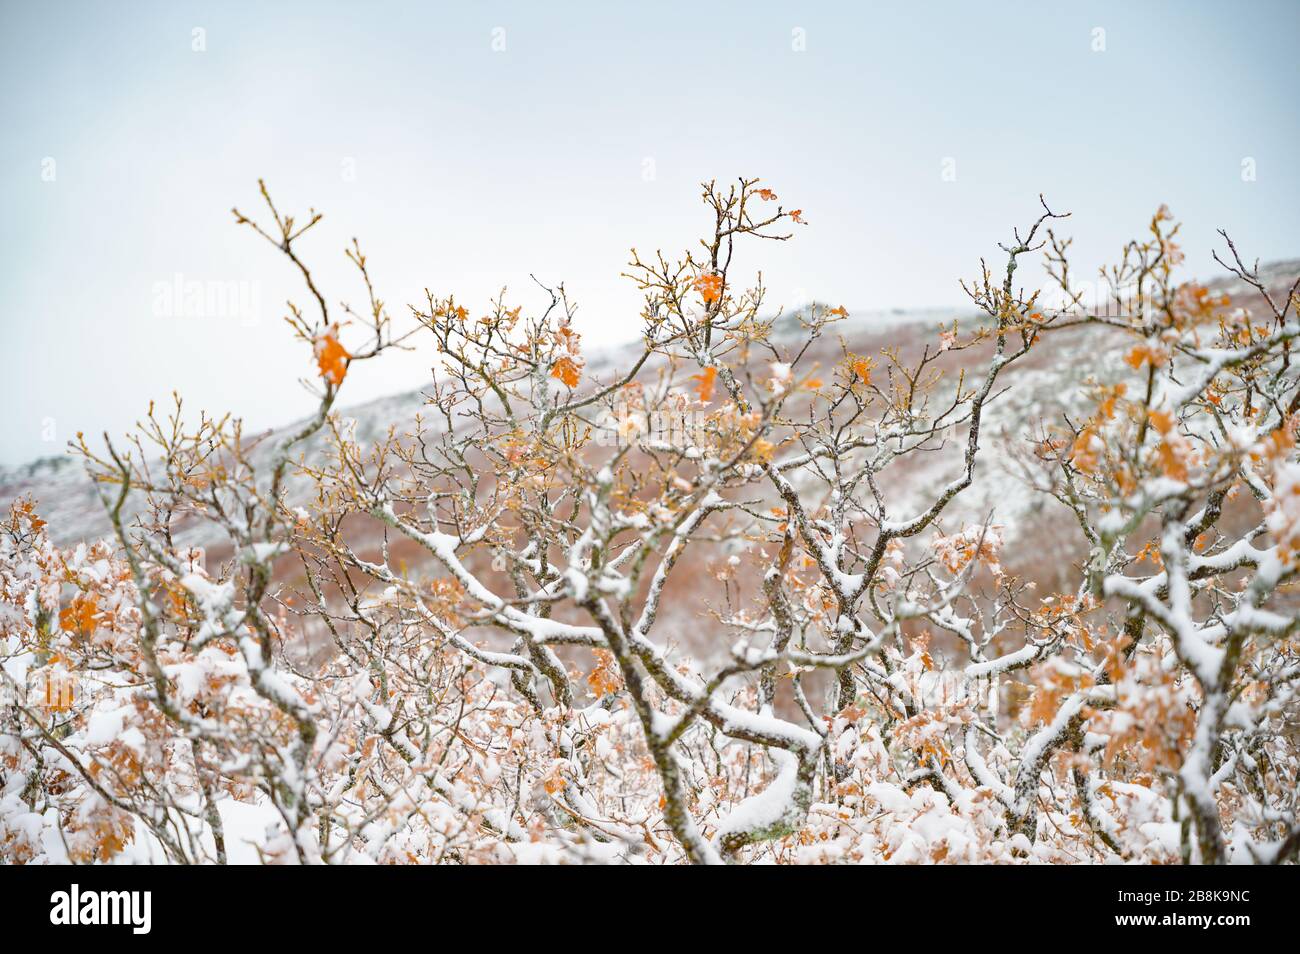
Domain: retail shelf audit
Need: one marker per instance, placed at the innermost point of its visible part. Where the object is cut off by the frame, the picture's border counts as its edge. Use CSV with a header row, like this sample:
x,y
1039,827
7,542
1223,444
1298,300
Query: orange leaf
x,y
706,381
797,215
1162,421
709,287
567,371
331,357
553,783
862,369
1086,453
1144,354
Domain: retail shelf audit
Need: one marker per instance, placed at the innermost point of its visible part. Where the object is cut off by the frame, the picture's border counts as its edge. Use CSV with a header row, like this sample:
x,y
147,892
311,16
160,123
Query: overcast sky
x,y
471,144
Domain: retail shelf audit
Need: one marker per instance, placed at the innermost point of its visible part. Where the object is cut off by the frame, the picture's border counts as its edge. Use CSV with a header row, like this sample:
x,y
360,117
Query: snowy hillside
x,y
69,502
1042,388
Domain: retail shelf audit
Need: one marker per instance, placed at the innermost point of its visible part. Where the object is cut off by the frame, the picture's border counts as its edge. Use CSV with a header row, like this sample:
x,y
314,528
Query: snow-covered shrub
x,y
463,642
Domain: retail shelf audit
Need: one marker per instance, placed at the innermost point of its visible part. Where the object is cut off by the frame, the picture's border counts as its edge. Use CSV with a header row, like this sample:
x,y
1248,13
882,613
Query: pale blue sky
x,y
474,167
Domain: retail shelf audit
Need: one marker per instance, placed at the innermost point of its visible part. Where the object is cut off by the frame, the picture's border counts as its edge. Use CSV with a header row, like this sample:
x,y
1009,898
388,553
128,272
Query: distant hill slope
x,y
69,503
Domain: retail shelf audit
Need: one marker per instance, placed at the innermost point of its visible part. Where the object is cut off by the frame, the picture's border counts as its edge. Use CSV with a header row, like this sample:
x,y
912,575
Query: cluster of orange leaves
x,y
81,615
1146,353
1088,449
925,732
568,367
604,677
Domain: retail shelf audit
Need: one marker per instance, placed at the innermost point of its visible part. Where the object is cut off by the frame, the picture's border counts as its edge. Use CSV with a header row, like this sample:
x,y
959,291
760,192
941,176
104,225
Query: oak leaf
x,y
706,380
567,371
331,357
710,287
